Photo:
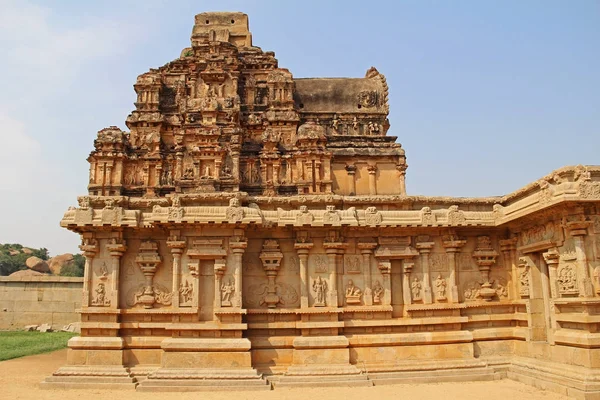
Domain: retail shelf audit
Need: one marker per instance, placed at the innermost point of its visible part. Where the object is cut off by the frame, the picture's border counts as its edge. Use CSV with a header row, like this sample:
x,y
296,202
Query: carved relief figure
x,y
440,288
524,282
377,292
353,293
227,290
320,288
415,288
185,293
567,280
100,298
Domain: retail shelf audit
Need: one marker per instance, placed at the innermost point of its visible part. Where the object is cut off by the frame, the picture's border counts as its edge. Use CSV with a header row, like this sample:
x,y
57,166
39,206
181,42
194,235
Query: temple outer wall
x,y
39,300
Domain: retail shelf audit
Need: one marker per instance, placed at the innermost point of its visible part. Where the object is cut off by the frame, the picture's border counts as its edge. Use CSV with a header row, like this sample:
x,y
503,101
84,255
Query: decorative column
x,y
238,245
109,177
219,268
333,247
116,248
552,258
385,267
235,160
372,179
178,164
303,246
407,267
351,169
401,168
508,248
366,249
485,256
148,261
424,249
578,230
176,247
89,247
271,258
452,246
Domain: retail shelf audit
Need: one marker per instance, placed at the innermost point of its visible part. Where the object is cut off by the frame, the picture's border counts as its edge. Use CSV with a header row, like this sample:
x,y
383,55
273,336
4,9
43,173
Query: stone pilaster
x,y
303,246
366,250
508,248
452,246
552,258
407,267
385,267
578,230
333,249
89,247
177,247
116,249
219,269
351,169
238,245
424,249
372,169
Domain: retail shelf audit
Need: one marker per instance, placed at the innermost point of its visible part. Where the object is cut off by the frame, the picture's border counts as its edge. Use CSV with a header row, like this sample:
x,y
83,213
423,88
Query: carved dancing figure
x,y
319,287
227,290
440,287
416,289
377,292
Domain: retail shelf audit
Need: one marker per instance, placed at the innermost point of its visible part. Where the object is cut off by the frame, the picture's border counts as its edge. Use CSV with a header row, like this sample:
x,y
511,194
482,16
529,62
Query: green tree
x,y
76,268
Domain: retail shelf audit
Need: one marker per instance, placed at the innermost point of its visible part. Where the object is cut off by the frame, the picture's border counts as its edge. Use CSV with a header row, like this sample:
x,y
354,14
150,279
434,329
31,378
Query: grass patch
x,y
19,344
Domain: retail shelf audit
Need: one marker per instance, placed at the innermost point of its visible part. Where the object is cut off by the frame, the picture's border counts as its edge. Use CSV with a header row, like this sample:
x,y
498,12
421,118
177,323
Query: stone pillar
x,y
238,245
578,230
385,267
452,247
176,247
552,258
302,249
219,269
116,251
109,175
351,169
508,248
235,160
372,179
401,168
89,247
424,249
217,170
333,249
366,249
178,165
407,267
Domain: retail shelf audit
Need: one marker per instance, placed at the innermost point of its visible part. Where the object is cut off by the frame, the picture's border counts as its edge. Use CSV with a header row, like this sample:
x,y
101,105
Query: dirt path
x,y
19,379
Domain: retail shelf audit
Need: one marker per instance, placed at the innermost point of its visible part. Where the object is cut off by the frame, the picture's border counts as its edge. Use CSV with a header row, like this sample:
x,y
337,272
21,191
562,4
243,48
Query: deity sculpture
x,y
227,290
377,292
352,293
320,288
415,289
440,288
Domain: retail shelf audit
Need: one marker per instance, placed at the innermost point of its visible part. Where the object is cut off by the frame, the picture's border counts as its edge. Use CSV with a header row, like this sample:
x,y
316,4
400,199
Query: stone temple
x,y
253,230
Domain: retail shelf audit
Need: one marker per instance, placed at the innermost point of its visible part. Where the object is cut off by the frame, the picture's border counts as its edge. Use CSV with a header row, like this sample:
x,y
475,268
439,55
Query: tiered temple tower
x,y
253,226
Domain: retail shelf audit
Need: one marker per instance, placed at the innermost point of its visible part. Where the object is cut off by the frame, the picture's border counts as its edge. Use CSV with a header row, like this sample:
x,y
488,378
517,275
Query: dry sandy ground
x,y
19,380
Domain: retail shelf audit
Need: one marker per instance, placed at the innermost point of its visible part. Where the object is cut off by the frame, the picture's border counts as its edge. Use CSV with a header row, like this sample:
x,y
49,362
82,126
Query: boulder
x,y
44,328
58,262
37,264
26,273
27,250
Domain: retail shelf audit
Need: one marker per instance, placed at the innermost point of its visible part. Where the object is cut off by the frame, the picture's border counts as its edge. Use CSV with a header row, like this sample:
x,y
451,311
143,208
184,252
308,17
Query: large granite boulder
x,y
25,273
37,264
57,263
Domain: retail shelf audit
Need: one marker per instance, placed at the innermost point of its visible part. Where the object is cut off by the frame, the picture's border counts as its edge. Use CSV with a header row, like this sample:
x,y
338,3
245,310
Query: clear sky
x,y
485,96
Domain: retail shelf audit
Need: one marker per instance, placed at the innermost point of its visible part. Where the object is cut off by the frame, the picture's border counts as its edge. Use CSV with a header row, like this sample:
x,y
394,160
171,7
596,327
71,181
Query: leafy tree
x,y
76,268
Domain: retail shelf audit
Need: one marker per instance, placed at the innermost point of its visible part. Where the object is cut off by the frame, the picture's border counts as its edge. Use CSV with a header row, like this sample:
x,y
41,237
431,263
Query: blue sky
x,y
485,96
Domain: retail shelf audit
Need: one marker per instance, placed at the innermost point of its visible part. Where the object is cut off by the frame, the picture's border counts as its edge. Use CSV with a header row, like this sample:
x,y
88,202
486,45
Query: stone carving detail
x,y
227,290
321,264
485,256
319,286
427,216
158,295
304,217
524,280
352,264
456,216
286,295
440,288
439,262
367,98
372,216
567,280
353,293
331,216
538,233
377,292
234,213
148,260
271,259
589,190
186,293
415,289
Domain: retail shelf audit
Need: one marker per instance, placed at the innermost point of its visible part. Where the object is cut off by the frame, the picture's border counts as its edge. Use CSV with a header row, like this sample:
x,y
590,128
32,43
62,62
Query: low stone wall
x,y
39,300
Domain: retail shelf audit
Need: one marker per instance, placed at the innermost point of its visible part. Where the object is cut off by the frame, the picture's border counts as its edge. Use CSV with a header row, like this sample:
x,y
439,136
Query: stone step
x,y
390,378
90,384
323,378
96,379
192,385
319,382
